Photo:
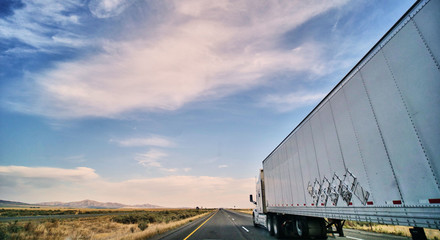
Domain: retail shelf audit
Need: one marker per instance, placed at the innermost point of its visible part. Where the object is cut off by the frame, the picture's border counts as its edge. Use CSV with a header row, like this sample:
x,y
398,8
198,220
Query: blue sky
x,y
174,103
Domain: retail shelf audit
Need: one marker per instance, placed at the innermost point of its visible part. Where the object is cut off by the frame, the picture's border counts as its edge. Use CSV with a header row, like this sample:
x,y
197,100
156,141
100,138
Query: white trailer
x,y
370,150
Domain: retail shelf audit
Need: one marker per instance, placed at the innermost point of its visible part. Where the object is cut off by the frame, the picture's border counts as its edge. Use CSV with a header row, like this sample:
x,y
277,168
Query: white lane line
x,y
354,238
245,229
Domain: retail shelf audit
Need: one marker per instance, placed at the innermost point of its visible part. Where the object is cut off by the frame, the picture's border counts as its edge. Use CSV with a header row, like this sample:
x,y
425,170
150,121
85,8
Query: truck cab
x,y
259,216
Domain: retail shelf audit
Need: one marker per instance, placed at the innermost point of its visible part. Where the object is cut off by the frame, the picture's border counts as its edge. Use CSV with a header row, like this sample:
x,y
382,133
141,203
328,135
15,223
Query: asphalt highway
x,y
226,224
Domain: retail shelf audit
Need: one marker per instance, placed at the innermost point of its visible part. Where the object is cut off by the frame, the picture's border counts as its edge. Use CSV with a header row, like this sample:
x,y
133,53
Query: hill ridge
x,y
87,203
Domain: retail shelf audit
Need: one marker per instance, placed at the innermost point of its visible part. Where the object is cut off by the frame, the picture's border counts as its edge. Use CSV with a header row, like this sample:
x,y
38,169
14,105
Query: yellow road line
x,y
200,226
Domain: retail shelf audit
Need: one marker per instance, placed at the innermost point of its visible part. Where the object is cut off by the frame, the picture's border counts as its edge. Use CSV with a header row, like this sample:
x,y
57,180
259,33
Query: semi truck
x,y
370,150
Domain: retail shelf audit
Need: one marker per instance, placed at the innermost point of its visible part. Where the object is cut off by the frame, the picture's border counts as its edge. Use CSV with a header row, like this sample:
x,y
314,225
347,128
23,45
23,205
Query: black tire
x,y
317,228
301,228
269,224
253,220
277,226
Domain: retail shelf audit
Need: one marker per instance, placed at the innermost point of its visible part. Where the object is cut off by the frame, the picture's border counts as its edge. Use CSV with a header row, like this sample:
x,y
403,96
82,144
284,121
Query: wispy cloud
x,y
108,8
77,174
291,101
17,182
151,158
75,159
203,50
222,166
156,141
8,7
43,25
170,170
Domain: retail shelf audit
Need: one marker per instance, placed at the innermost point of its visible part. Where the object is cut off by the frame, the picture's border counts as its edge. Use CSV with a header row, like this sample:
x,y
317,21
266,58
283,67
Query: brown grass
x,y
101,227
247,211
432,234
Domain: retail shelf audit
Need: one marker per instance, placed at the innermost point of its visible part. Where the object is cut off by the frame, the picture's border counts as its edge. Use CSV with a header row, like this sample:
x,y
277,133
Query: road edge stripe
x,y
200,226
355,238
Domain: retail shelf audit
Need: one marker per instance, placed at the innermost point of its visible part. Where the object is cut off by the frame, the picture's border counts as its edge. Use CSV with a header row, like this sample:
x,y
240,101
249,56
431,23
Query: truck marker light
x,y
370,203
304,204
350,204
397,202
434,200
322,204
313,204
297,204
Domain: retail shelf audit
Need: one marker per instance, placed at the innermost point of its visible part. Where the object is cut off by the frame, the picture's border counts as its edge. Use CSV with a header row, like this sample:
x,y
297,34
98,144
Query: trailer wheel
x,y
269,224
317,228
253,220
277,228
301,227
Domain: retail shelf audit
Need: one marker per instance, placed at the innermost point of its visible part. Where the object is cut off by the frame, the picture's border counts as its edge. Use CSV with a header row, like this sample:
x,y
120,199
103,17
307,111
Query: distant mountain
x,y
146,206
79,204
95,204
4,203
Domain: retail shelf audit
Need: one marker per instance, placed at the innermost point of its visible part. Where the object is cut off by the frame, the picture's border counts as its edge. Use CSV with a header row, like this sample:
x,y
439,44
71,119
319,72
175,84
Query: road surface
x,y
225,224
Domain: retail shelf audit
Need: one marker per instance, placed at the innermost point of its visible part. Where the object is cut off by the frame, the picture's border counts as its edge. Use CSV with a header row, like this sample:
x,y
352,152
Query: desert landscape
x,y
51,222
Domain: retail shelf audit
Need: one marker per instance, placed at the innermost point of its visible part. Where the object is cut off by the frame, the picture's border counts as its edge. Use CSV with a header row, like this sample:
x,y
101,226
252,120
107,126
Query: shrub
x,y
52,223
154,216
3,233
14,227
142,226
30,226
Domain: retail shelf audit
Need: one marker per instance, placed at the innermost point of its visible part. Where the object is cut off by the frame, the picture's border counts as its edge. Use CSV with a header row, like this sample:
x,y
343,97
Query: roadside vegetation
x,y
135,225
244,210
432,234
21,212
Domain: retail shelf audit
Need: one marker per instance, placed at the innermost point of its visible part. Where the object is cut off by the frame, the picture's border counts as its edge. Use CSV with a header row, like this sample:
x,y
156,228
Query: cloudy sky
x,y
173,103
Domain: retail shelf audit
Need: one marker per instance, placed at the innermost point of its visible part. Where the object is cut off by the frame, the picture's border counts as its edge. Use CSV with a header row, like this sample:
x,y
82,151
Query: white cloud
x,y
153,158
108,8
34,25
77,174
203,50
222,166
290,101
150,158
75,159
18,183
156,141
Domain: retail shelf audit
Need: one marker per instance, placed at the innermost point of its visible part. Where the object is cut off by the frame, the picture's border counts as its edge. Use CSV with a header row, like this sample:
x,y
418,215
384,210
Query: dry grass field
x,y
247,211
23,211
432,234
138,225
